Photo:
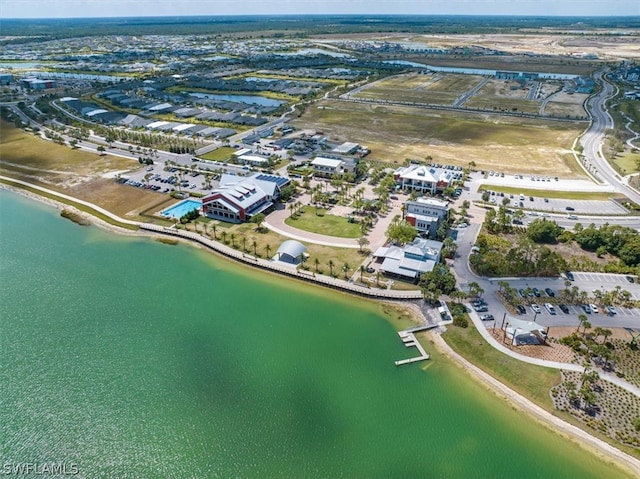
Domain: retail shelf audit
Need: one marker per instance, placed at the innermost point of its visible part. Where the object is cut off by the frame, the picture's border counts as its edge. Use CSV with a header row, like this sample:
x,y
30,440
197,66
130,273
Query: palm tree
x,y
233,240
345,269
362,270
317,263
244,242
267,248
362,242
254,243
224,236
291,208
582,318
378,278
331,264
213,227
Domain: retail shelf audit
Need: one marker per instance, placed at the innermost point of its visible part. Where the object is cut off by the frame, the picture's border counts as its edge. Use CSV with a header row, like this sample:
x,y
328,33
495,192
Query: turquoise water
x,y
134,359
180,209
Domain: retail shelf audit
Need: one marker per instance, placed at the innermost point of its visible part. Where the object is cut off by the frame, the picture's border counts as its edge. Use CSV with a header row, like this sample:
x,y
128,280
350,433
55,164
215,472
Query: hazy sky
x,y
124,8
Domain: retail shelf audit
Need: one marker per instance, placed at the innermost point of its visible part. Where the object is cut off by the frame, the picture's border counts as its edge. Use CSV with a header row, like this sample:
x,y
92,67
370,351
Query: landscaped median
x,y
551,193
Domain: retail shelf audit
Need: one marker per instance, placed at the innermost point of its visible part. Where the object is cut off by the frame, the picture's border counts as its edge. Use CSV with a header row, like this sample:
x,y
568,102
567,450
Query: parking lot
x,y
554,205
624,317
192,181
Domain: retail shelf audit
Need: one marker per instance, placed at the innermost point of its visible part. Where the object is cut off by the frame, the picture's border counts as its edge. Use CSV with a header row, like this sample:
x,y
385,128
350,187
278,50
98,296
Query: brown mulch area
x,y
551,351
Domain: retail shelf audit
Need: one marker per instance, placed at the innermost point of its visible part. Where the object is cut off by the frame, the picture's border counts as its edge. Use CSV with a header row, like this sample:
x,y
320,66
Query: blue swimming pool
x,y
178,210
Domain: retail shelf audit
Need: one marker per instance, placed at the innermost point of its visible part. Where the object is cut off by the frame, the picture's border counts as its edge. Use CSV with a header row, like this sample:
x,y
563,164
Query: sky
x,y
129,8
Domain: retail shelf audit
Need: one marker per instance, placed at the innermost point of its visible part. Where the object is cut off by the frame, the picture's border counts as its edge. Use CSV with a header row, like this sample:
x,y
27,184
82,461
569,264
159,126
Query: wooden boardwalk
x,y
409,340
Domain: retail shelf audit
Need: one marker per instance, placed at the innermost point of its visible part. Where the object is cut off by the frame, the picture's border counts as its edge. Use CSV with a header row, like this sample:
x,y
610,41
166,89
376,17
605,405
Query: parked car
x,y
549,292
611,310
594,308
569,275
536,292
586,308
550,308
570,208
535,307
481,309
522,293
521,309
630,279
564,308
487,317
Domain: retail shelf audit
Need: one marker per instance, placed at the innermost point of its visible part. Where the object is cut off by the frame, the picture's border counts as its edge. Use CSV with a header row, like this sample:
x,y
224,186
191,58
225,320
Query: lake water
x,y
131,358
249,99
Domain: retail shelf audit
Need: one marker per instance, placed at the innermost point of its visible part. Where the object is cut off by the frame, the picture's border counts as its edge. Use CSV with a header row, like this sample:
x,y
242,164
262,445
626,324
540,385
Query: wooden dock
x,y
409,340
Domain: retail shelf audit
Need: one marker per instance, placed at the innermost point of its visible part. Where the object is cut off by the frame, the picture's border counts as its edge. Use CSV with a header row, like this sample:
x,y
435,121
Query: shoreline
x,y
591,443
594,445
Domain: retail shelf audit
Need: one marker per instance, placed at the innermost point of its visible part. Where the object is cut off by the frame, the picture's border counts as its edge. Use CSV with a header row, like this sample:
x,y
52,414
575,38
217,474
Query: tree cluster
x,y
617,240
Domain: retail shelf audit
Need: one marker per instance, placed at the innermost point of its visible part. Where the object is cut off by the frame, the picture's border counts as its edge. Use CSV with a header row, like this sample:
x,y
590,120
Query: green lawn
x,y
220,154
531,381
567,195
324,224
626,162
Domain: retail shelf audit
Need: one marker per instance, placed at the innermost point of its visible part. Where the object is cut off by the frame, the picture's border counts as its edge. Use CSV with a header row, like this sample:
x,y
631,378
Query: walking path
x,y
233,253
276,223
556,423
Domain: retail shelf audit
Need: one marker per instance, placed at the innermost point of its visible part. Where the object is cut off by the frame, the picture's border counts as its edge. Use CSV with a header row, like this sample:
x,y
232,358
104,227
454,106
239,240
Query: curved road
x,y
593,138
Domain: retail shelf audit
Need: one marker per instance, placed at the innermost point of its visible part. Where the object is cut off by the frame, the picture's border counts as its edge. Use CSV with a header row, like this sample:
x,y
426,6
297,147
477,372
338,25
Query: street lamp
x,y
535,316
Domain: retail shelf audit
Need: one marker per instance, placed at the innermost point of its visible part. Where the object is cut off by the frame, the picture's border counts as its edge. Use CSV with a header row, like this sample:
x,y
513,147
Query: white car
x,y
594,308
535,307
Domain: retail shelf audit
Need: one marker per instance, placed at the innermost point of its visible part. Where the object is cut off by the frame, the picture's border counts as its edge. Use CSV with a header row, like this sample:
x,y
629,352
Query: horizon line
x,y
365,15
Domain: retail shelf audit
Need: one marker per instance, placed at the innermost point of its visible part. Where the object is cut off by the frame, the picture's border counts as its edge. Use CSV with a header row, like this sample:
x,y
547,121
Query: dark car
x,y
549,292
569,275
586,308
522,293
630,279
563,308
521,309
536,292
570,208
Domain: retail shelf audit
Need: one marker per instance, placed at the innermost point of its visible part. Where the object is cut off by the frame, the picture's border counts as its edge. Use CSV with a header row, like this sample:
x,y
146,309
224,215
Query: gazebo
x,y
291,251
524,332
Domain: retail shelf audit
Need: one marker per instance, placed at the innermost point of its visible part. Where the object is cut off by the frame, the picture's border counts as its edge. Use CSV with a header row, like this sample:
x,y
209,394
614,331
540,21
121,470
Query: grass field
x,y
220,154
431,89
566,195
29,157
75,172
76,205
323,223
265,237
494,142
531,381
626,162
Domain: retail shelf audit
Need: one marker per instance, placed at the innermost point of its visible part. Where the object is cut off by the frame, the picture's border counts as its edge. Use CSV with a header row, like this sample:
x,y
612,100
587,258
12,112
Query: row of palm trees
x,y
211,231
